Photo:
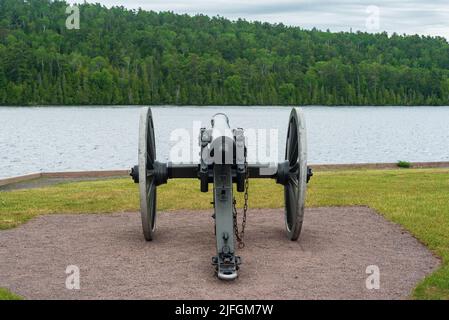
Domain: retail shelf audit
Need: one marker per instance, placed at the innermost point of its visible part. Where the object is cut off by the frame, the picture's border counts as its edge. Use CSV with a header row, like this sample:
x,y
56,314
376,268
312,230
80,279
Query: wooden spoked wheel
x,y
147,183
295,188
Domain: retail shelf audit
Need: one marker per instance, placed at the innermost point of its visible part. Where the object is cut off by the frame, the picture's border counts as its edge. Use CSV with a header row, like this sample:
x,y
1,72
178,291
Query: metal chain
x,y
240,235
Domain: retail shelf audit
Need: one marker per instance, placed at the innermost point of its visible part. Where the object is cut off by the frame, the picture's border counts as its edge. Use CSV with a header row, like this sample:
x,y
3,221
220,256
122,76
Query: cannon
x,y
223,162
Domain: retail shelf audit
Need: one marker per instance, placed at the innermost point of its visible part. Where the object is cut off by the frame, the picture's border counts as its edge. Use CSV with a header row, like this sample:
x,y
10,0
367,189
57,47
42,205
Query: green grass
x,y
7,295
418,199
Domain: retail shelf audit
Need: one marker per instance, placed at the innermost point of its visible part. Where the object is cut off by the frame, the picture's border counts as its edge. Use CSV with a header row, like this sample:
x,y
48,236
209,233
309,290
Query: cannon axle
x,y
278,172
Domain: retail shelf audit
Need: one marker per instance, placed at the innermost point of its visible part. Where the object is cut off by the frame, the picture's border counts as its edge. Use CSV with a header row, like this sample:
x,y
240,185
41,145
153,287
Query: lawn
x,y
7,295
418,199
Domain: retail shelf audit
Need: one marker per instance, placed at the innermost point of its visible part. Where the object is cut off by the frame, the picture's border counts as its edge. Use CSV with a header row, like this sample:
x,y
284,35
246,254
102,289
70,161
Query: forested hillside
x,y
120,56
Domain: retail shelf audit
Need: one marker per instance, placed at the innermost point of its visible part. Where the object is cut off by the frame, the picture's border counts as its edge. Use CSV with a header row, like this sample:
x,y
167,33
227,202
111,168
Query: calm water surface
x,y
96,138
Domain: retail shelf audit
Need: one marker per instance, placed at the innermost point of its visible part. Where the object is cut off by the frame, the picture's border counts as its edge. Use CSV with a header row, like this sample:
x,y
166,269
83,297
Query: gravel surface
x,y
328,262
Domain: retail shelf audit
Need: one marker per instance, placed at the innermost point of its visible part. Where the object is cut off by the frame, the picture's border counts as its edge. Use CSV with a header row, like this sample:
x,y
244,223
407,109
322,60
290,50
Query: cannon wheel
x,y
295,189
147,185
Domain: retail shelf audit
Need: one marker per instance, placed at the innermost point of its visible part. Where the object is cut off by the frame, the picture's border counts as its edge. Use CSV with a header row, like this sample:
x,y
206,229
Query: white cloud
x,y
411,17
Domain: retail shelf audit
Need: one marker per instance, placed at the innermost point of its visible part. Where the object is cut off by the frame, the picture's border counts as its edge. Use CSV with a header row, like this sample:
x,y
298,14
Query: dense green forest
x,y
121,56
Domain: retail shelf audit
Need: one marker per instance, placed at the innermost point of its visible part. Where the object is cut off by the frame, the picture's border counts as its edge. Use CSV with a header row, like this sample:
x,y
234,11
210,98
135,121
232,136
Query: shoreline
x,y
7,183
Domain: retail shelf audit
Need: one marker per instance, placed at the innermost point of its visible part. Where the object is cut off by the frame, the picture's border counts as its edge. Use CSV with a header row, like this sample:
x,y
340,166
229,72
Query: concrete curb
x,y
75,174
7,181
414,165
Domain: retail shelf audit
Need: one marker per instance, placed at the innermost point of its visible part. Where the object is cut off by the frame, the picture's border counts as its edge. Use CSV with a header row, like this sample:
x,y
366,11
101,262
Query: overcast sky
x,y
430,17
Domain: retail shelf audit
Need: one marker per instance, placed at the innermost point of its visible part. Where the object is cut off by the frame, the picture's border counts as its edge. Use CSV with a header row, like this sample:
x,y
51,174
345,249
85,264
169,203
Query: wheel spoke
x,y
294,168
295,187
150,189
288,145
153,211
150,150
150,154
291,204
294,181
292,136
292,149
151,141
294,153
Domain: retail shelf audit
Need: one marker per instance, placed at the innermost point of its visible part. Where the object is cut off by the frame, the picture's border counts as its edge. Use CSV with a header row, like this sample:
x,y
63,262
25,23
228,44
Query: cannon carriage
x,y
223,162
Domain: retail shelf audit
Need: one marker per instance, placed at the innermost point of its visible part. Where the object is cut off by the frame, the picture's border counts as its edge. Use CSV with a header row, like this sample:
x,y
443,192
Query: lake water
x,y
102,138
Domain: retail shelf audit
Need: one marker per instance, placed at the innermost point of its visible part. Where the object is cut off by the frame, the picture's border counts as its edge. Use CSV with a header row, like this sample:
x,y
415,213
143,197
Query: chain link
x,y
241,235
